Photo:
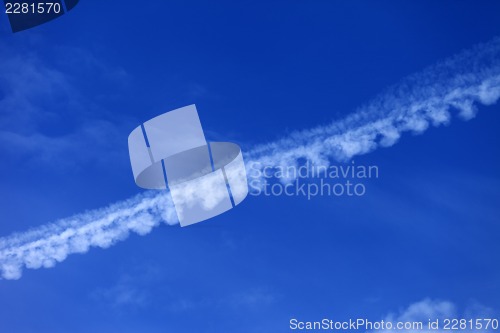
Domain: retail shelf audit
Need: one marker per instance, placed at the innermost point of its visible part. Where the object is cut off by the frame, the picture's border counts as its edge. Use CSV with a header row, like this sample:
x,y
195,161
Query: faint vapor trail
x,y
428,98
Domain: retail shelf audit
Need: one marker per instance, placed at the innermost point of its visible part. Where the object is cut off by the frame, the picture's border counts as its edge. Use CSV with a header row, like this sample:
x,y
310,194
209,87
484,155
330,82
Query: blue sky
x,y
72,90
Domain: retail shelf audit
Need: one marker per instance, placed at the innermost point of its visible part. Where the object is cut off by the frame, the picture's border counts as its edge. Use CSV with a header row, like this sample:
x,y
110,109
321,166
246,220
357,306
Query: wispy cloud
x,y
252,298
36,96
131,290
144,286
428,98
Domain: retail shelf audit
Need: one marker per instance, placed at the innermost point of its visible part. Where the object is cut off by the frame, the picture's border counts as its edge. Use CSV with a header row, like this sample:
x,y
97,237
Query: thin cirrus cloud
x,y
34,93
428,98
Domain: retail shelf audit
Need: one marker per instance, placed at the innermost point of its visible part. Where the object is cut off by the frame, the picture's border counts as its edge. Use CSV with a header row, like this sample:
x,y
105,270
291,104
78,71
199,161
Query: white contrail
x,y
51,243
458,83
428,97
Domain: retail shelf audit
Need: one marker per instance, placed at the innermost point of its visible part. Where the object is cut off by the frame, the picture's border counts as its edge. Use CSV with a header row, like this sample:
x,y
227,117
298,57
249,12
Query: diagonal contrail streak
x,y
51,243
427,98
